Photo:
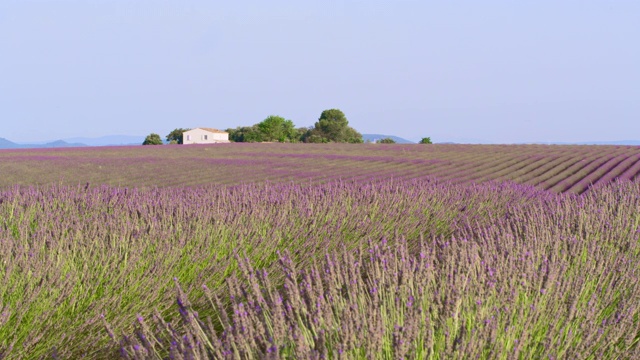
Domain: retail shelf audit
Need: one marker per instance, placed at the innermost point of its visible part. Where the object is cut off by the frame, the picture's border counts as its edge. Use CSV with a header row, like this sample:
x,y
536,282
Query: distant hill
x,y
375,137
62,143
113,140
6,144
109,140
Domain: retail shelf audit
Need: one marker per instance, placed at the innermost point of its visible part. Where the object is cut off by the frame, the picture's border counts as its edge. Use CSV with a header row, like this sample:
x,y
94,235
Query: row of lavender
x,y
558,168
72,253
503,269
555,279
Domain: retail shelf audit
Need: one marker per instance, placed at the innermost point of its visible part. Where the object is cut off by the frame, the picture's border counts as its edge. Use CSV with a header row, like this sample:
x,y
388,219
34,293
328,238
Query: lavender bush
x,y
370,267
558,279
72,254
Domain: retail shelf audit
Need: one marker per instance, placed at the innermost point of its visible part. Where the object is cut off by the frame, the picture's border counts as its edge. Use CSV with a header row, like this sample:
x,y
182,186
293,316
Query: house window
x,y
205,137
189,137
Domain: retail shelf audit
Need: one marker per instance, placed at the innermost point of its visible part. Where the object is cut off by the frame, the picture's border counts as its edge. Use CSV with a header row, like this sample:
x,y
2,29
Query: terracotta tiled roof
x,y
213,130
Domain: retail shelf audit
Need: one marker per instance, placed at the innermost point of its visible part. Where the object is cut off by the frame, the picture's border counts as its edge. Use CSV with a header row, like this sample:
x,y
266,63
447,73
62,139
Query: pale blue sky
x,y
499,71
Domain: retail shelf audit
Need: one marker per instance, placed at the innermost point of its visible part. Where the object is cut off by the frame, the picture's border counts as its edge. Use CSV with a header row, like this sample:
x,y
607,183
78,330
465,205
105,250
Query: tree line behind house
x,y
331,127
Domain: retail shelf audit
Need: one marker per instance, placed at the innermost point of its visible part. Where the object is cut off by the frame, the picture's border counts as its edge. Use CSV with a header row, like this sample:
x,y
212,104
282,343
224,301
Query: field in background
x,y
311,251
558,168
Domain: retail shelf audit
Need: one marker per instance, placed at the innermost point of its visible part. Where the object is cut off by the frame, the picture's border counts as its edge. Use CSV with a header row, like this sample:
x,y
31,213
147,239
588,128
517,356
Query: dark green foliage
x,y
272,129
175,136
301,133
426,140
332,123
332,126
277,128
245,134
386,141
152,139
313,136
352,136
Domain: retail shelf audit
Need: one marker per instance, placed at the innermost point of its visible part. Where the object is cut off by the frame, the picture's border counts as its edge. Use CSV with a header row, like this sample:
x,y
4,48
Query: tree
x,y
277,128
332,126
233,134
426,140
301,133
273,128
176,135
352,136
386,141
313,136
245,134
152,139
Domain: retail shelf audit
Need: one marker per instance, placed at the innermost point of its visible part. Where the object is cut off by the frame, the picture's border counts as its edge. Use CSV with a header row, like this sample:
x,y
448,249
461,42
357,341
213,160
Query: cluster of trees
x,y
388,140
272,129
174,137
332,126
152,139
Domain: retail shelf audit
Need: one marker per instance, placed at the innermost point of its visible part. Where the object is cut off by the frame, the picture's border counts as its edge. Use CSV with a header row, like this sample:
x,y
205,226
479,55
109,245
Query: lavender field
x,y
328,251
557,168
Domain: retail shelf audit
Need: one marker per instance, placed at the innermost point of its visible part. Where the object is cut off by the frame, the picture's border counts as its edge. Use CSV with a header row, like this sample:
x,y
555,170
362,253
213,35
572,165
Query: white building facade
x,y
205,136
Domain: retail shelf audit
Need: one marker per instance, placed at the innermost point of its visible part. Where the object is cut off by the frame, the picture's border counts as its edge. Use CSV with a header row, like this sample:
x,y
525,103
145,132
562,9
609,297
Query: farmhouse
x,y
205,136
